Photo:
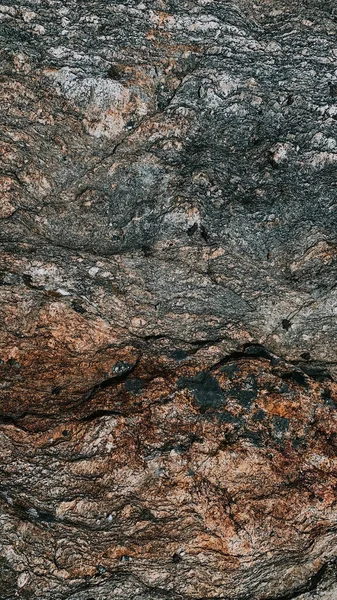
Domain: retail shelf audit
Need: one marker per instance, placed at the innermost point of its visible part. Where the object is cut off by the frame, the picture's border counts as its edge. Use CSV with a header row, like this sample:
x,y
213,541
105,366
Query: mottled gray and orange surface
x,y
168,300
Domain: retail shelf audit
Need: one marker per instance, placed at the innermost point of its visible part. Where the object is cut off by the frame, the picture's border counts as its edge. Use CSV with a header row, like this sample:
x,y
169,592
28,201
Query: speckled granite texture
x,y
168,300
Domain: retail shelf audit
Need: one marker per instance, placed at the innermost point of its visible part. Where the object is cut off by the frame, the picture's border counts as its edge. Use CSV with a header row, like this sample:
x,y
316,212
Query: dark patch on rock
x,y
56,390
255,437
78,308
47,517
317,373
147,250
295,376
299,443
205,389
178,354
115,72
134,385
227,417
176,558
281,424
259,351
260,415
328,400
231,369
191,230
13,363
286,324
333,89
146,515
204,234
245,396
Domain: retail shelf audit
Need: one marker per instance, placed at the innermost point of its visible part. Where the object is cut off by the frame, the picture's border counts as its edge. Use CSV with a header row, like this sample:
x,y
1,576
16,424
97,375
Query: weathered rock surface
x,y
168,300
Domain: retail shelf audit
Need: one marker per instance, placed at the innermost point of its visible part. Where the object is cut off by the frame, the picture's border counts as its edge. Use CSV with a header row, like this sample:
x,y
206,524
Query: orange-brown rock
x,y
200,482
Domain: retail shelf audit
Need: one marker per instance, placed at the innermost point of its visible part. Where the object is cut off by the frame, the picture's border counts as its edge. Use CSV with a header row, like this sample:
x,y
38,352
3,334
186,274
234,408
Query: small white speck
x,y
23,579
63,292
39,29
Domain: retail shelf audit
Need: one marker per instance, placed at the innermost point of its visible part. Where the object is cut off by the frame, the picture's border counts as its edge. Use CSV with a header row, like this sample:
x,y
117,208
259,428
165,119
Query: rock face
x,y
168,300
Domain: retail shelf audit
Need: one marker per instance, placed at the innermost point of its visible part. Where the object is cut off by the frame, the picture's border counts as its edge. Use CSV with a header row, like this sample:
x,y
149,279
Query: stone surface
x,y
168,300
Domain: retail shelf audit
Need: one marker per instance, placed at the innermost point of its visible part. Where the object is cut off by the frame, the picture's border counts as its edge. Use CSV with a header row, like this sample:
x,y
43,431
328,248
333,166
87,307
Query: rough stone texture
x,y
168,300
